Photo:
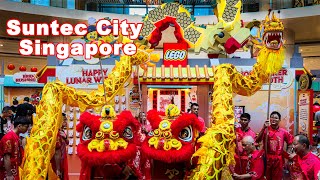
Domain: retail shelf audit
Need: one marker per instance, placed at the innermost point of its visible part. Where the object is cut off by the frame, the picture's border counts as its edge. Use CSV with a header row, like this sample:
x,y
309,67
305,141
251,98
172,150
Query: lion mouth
x,y
273,40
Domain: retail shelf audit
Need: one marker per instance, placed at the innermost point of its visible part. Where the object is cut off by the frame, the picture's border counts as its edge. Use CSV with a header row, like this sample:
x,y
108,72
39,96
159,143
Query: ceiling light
x,y
1,44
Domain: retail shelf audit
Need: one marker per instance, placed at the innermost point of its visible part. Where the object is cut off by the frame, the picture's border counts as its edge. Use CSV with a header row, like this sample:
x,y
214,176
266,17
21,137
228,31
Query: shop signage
x,y
83,76
175,54
304,113
25,78
281,80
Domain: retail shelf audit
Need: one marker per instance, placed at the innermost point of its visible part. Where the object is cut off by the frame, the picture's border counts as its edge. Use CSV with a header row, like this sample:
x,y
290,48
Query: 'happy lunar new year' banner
x,y
83,76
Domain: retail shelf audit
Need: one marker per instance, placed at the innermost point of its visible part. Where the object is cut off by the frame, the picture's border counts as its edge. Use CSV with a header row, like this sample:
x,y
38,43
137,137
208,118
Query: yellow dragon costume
x,y
217,148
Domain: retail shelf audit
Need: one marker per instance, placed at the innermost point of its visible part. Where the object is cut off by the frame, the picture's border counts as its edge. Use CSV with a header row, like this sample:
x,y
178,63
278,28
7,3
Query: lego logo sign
x,y
175,54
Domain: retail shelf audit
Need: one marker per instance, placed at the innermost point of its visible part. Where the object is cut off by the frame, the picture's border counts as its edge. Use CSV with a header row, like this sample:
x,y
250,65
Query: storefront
x,y
161,86
20,85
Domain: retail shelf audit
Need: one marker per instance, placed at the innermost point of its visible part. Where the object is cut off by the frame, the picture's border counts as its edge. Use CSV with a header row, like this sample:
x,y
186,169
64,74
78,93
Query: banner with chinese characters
x,y
305,119
175,54
25,78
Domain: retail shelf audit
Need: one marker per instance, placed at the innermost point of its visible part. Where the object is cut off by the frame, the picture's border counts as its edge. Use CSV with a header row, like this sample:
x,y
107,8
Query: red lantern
x,y
11,67
34,69
22,68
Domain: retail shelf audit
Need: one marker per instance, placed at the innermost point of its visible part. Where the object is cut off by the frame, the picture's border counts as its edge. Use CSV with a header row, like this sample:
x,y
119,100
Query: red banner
x,y
175,54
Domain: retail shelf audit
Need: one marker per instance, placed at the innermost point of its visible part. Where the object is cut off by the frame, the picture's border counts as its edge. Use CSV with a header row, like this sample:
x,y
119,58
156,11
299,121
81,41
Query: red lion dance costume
x,y
171,142
107,143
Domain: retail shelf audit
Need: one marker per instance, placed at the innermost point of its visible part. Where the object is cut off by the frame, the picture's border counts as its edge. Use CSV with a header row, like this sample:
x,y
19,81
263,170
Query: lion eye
x,y
150,133
87,133
127,133
186,134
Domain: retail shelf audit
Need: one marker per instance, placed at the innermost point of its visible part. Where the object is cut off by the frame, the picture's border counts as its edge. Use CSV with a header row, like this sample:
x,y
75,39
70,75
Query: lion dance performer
x,y
171,142
107,143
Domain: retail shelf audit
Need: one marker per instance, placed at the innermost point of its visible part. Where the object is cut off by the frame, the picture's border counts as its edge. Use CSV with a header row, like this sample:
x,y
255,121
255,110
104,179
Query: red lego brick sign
x,y
175,54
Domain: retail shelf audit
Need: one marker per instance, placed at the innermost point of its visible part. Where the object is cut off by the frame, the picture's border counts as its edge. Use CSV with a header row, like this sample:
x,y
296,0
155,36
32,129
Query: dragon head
x,y
272,54
173,135
107,139
273,32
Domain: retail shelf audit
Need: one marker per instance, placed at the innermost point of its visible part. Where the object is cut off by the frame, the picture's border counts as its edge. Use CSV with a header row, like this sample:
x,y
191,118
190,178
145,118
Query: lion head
x,y
173,135
107,139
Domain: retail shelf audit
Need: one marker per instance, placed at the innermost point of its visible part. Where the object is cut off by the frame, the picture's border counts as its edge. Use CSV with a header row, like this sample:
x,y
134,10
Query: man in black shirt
x,y
25,109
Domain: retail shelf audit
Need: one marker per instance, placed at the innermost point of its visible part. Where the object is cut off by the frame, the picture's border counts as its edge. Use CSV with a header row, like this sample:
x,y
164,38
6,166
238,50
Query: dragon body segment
x,y
226,36
217,145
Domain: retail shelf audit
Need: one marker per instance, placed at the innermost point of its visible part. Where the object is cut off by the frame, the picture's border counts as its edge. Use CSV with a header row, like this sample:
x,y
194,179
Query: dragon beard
x,y
271,59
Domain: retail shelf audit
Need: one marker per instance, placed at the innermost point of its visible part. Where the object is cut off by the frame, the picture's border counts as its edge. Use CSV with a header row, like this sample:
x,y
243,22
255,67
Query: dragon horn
x,y
267,18
274,18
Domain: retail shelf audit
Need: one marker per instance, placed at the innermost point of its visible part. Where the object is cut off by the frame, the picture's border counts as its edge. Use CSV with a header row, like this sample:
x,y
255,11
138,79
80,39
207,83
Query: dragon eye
x,y
127,133
221,35
87,133
186,134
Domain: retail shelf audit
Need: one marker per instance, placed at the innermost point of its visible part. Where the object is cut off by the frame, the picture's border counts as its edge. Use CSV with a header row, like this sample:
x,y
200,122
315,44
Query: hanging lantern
x,y
22,68
11,67
34,69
